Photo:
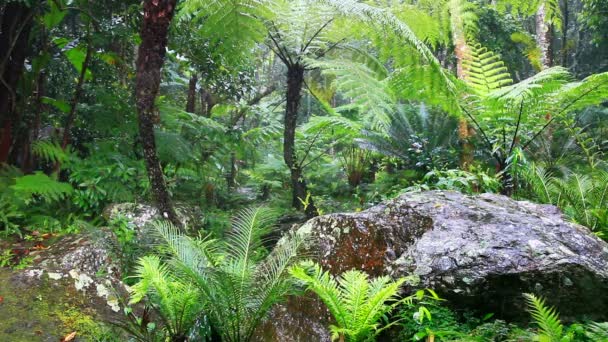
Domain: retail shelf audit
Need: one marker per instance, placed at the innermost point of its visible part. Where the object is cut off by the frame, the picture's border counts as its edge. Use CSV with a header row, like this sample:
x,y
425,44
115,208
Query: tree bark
x,y
295,81
191,103
207,102
565,47
461,50
151,55
543,37
14,36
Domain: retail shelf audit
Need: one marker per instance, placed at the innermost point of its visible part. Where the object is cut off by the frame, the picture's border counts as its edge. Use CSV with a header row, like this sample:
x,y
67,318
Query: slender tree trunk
x,y
69,122
295,81
150,59
231,176
543,37
34,130
461,50
207,102
191,104
14,36
565,35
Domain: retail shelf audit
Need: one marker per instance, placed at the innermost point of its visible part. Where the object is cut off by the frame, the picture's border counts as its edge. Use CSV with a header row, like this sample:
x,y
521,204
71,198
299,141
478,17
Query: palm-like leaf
x,y
235,289
234,26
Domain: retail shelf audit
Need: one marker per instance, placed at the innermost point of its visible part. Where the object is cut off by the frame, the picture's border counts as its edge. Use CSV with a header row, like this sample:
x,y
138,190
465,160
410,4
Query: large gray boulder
x,y
479,252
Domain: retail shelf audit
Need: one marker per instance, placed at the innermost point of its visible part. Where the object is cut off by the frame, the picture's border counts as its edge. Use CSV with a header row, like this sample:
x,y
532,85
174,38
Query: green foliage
x,y
238,25
529,8
179,303
531,50
547,319
356,303
234,283
475,181
422,139
597,331
39,184
51,152
484,71
582,197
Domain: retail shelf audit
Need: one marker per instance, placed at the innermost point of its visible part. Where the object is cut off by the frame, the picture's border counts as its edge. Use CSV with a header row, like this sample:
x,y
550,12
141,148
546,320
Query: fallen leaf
x,y
1,299
39,246
48,235
69,337
38,332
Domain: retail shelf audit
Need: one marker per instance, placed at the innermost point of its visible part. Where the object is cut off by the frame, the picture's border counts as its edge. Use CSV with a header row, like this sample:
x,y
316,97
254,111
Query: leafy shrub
x,y
474,181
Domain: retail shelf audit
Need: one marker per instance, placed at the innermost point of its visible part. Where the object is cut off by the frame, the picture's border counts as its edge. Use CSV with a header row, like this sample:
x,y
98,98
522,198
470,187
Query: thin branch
x,y
322,54
287,55
483,133
316,35
310,146
560,112
538,133
521,109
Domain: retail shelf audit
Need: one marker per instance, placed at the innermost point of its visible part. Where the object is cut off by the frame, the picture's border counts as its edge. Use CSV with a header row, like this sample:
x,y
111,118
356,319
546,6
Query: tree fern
x,y
235,286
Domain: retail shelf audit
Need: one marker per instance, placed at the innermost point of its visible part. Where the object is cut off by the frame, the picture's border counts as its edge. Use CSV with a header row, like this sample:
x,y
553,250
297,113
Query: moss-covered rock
x,y
480,252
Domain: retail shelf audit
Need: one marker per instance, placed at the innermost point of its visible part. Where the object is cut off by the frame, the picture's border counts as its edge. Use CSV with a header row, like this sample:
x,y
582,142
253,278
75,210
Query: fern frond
x,y
545,317
597,331
484,70
42,185
234,26
249,225
366,88
325,286
50,151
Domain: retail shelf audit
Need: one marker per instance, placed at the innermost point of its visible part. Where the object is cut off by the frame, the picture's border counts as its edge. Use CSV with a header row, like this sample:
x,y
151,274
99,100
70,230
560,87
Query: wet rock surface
x,y
74,279
479,252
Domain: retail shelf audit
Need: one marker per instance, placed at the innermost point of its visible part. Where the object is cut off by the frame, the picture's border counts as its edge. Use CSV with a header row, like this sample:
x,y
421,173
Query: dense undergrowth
x,y
299,108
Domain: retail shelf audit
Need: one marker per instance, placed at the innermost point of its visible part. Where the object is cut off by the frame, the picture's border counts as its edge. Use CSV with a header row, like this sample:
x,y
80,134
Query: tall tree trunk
x,y
150,59
191,103
14,36
565,24
465,132
295,81
543,37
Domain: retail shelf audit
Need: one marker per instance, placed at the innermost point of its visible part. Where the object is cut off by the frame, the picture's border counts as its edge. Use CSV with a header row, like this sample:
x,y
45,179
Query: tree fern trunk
x,y
295,81
151,55
543,37
191,103
207,102
461,49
